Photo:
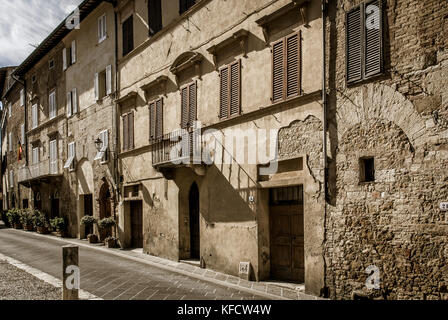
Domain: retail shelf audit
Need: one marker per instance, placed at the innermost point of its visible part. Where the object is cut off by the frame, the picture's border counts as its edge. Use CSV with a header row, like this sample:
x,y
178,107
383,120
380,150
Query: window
x,y
10,142
34,116
103,83
52,105
184,5
154,16
69,55
22,97
128,131
70,164
156,119
10,109
230,90
188,105
128,35
72,103
367,169
51,64
35,155
102,30
286,68
103,153
364,38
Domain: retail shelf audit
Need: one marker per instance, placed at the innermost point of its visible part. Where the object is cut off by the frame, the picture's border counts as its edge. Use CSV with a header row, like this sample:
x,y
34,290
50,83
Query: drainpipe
x,y
324,139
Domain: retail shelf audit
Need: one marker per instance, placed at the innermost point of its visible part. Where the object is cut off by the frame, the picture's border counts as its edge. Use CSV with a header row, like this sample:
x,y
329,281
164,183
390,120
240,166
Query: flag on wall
x,y
19,152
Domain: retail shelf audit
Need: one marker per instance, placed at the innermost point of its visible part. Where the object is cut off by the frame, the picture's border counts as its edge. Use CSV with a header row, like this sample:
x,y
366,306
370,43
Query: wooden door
x,y
88,211
136,224
194,223
287,235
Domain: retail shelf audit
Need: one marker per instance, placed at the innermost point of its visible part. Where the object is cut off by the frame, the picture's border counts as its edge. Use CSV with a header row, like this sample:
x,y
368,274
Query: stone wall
x,y
393,223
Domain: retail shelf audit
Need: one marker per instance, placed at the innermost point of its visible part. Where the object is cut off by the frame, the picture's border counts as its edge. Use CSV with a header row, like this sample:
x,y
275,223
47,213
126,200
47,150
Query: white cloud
x,y
25,23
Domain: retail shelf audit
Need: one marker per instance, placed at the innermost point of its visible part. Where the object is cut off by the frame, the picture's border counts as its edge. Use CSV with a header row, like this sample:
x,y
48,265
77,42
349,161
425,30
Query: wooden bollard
x,y
70,273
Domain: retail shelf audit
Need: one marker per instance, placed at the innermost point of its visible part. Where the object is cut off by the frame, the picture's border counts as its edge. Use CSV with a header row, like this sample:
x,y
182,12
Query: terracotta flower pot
x,y
28,227
93,238
111,243
17,226
42,230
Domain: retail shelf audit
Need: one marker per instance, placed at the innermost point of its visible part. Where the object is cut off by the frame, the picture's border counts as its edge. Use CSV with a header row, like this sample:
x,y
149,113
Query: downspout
x,y
324,138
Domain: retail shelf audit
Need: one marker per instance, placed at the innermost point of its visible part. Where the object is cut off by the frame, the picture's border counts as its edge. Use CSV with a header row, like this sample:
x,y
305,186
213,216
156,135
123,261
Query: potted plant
x,y
5,219
105,225
88,222
59,225
93,238
111,242
14,218
27,219
41,222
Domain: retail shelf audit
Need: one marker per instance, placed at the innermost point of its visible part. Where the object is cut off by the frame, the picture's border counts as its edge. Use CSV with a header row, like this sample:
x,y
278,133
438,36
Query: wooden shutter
x,y
75,100
184,108
125,132
64,59
224,93
152,120
73,51
235,92
131,130
192,104
109,79
22,97
354,45
373,38
278,72
154,16
69,104
22,131
293,65
159,118
97,87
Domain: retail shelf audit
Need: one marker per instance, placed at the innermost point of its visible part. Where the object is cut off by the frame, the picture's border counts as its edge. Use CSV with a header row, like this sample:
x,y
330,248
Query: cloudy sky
x,y
25,23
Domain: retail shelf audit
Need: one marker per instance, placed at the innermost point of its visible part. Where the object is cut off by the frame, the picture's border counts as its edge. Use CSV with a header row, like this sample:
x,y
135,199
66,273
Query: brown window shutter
x,y
354,45
224,93
152,120
373,38
159,118
184,108
293,65
235,81
125,132
278,72
131,131
192,104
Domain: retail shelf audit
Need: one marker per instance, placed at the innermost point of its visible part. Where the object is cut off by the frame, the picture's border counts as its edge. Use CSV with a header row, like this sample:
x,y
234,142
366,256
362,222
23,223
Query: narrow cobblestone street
x,y
110,277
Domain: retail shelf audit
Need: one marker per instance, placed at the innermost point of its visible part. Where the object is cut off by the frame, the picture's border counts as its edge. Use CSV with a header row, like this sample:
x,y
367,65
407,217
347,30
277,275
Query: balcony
x,y
40,172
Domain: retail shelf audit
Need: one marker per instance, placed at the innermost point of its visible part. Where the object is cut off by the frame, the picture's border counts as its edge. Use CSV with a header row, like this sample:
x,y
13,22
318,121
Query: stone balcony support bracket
x,y
240,37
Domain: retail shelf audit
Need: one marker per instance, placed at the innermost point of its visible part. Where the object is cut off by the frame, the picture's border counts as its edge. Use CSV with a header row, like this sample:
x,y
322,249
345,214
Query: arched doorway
x,y
105,201
37,201
194,222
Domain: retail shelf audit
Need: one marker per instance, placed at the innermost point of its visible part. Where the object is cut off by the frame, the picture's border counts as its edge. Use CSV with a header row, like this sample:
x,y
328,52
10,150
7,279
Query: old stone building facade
x,y
362,82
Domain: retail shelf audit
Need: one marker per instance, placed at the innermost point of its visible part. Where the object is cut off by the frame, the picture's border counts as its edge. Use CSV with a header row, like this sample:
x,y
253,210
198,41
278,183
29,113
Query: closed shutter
x,y
155,16
73,48
278,73
192,104
22,97
159,118
10,142
152,120
293,65
69,104
373,38
97,87
125,133
53,157
131,131
108,79
36,155
22,131
224,93
64,59
235,92
75,100
184,108
354,45
35,116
